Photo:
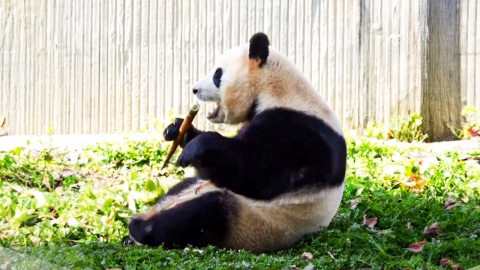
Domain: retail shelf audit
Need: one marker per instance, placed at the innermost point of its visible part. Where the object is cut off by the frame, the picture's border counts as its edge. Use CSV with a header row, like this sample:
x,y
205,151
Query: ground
x,y
65,203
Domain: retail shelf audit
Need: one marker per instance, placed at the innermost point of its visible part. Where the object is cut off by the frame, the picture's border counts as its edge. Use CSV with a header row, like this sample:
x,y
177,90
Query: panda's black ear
x,y
259,47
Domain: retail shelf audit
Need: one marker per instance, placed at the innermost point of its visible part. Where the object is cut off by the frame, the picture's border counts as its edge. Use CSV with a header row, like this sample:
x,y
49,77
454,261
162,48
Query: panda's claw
x,y
202,185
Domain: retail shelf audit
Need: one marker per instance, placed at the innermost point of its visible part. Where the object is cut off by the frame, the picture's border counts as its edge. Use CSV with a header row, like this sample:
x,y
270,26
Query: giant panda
x,y
280,178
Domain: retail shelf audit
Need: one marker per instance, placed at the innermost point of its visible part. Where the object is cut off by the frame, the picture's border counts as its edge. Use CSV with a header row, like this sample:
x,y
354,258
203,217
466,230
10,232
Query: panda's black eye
x,y
217,77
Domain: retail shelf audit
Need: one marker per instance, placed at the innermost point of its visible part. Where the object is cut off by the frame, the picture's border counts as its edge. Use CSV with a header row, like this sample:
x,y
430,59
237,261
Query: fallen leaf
x,y
417,247
307,256
431,231
465,200
294,267
309,267
447,262
369,222
449,204
354,203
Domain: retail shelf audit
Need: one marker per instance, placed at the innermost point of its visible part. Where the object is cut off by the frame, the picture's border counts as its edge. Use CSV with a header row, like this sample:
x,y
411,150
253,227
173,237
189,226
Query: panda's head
x,y
253,77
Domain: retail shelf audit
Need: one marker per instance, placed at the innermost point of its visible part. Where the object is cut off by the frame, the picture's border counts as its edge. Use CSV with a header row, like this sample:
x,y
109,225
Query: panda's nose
x,y
195,91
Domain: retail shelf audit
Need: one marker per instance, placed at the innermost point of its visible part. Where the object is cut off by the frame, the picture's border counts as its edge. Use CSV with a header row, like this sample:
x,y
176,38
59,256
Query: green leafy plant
x,y
470,126
403,129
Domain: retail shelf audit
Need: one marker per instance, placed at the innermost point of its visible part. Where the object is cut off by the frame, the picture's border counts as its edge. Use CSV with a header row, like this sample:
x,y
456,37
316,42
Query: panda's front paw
x,y
199,150
170,133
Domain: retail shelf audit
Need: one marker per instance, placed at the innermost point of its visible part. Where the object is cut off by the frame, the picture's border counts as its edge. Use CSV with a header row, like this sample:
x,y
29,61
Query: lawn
x,y
403,208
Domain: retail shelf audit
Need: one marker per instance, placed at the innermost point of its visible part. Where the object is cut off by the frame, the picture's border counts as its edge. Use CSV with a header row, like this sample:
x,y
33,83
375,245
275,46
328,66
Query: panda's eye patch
x,y
217,76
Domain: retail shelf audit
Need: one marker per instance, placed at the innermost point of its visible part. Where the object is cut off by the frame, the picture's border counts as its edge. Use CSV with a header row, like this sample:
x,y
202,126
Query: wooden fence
x,y
104,66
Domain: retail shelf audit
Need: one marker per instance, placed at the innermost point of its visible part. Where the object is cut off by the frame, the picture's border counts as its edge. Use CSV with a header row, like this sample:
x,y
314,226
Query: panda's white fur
x,y
250,81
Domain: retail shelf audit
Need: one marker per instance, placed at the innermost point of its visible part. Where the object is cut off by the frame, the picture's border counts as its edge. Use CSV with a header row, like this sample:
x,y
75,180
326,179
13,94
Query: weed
x,y
399,128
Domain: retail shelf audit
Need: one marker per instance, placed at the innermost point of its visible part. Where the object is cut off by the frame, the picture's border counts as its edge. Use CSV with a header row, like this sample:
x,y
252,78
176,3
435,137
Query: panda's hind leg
x,y
198,222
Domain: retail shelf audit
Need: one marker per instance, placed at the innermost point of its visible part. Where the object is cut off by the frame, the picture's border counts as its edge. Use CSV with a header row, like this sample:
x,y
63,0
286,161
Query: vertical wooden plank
x,y
266,17
177,57
95,88
80,59
104,90
49,79
403,12
169,89
235,23
476,55
40,56
376,91
463,50
67,74
61,122
355,56
186,48
121,60
110,68
347,65
136,65
161,104
395,53
19,65
415,55
227,24
339,55
307,40
260,17
365,41
323,39
129,69
194,52
86,106
29,65
203,56
276,24
299,36
291,37
144,70
315,49
284,28
387,61
3,55
471,46
251,18
331,30
152,60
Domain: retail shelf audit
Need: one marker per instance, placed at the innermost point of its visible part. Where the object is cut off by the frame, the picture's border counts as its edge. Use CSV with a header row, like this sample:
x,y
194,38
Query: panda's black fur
x,y
279,151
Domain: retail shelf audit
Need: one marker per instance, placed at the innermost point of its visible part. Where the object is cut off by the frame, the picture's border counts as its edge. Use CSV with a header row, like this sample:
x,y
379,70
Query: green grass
x,y
71,210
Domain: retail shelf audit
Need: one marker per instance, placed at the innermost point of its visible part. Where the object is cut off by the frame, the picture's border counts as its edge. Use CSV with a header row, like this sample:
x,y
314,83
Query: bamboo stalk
x,y
187,123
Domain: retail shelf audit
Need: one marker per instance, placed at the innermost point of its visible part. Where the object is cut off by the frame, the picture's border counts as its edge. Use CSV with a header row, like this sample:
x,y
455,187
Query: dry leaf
x,y
449,204
433,230
354,203
446,261
465,200
369,222
307,256
417,247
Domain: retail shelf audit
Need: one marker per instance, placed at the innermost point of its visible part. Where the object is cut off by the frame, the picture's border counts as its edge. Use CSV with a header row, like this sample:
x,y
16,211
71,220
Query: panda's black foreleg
x,y
199,222
236,165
